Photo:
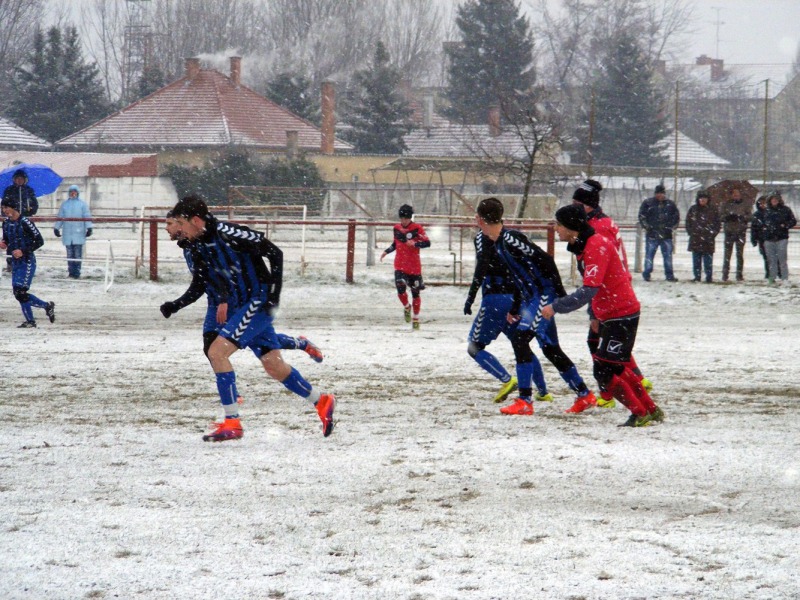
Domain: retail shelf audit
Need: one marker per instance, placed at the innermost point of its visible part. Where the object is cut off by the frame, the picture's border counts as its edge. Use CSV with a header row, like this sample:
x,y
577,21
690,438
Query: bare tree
x,y
103,34
413,35
18,20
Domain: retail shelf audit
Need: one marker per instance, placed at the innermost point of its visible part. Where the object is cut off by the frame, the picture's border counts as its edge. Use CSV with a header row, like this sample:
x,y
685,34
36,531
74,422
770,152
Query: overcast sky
x,y
752,31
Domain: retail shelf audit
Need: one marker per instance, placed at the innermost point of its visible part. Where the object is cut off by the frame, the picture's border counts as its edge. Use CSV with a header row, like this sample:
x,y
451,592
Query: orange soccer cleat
x,y
229,429
325,406
582,403
518,407
312,350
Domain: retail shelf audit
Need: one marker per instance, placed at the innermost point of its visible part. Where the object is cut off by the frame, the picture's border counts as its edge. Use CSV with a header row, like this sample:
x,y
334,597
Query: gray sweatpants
x,y
776,256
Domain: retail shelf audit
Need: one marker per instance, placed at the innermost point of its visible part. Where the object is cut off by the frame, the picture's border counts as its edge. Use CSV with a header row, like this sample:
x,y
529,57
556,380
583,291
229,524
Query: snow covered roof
x,y
86,164
456,140
744,81
14,136
690,152
206,109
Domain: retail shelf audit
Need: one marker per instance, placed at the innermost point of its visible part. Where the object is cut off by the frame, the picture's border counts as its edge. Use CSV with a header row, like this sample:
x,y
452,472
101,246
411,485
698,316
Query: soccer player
x,y
537,283
21,238
607,285
587,196
198,287
409,237
230,259
497,296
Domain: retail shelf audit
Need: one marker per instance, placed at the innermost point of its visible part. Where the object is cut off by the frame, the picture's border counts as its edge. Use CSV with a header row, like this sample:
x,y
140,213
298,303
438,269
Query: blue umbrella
x,y
41,178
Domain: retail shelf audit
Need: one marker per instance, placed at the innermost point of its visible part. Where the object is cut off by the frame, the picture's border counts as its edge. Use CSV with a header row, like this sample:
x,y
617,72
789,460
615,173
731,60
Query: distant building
x,y
14,137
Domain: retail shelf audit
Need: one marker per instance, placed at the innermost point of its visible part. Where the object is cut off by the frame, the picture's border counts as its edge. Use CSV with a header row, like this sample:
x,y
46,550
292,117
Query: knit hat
x,y
588,193
12,202
19,173
572,217
703,194
406,211
660,189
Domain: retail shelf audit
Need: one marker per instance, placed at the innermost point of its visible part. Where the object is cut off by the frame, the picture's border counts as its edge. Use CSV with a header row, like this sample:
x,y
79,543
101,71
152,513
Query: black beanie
x,y
406,211
660,189
19,173
12,202
588,193
572,217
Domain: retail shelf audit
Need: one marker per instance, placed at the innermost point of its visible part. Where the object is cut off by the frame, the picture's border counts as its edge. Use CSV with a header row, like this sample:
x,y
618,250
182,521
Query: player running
x,y
497,297
22,238
587,196
607,285
409,237
230,259
537,283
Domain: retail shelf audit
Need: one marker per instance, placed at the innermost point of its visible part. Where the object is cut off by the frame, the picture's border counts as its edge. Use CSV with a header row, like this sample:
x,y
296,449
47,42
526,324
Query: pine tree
x,y
380,116
293,92
493,63
56,92
629,124
152,80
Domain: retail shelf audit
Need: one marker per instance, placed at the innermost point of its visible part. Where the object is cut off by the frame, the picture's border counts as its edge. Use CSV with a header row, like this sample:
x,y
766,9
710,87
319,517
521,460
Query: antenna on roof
x,y
718,23
137,47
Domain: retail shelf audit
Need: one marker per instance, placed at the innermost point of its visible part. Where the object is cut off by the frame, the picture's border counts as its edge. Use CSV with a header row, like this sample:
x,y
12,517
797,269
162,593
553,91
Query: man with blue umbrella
x,y
22,194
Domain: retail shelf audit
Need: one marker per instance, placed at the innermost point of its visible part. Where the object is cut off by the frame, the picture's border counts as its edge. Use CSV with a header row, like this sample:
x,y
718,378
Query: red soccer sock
x,y
635,382
622,391
416,303
635,368
403,298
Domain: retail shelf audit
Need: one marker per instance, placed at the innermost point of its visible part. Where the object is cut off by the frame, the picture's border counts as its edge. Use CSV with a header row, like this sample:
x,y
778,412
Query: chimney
x,y
291,143
717,66
192,68
427,111
328,106
494,121
236,69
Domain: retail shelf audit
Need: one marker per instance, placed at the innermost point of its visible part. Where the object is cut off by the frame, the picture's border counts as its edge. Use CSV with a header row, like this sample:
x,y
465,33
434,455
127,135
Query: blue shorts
x,y
22,271
251,327
531,318
491,319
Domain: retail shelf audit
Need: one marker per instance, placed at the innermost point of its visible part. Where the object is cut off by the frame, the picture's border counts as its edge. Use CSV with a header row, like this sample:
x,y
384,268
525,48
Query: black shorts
x,y
401,280
616,339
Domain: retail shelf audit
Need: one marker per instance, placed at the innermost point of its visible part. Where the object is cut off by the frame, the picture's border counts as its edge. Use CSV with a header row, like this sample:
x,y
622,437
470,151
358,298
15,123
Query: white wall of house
x,y
114,196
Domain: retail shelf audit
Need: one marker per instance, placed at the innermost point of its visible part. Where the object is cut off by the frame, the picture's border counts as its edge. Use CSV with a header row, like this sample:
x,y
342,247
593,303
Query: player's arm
x,y
389,250
193,293
421,240
481,267
543,261
34,233
274,256
571,302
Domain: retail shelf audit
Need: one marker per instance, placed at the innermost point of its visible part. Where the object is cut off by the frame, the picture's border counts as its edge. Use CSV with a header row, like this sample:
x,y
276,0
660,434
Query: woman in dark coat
x,y
757,231
778,220
702,225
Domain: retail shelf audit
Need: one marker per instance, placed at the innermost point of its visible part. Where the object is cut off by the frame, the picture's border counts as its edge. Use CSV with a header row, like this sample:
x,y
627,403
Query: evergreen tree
x,y
152,80
380,116
56,92
493,62
293,92
629,124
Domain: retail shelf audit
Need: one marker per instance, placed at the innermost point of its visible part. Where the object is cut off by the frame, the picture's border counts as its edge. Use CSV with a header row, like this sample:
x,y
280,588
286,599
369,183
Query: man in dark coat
x,y
735,215
23,194
702,225
658,216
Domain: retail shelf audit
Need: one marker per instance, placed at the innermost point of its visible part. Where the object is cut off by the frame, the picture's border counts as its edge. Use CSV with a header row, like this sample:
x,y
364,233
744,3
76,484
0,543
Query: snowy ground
x,y
424,490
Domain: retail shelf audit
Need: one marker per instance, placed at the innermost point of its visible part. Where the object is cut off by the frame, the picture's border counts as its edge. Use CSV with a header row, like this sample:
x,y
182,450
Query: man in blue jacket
x,y
74,233
659,216
20,191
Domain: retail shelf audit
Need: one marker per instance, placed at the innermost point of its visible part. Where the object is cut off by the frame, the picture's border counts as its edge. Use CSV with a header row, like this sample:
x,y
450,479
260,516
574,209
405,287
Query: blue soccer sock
x,y
537,374
574,381
27,312
524,376
297,384
287,342
36,302
228,394
491,365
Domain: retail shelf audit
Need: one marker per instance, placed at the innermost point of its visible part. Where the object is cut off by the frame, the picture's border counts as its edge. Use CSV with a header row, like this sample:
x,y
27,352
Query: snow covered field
x,y
424,490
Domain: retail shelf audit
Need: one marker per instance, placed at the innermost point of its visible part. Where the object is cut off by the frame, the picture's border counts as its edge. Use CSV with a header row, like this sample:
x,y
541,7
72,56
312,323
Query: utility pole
x,y
138,46
718,23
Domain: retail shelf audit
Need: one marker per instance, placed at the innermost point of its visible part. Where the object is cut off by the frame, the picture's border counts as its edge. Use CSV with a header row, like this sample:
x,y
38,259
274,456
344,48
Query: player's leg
x,y
487,325
288,342
606,398
529,369
219,353
401,286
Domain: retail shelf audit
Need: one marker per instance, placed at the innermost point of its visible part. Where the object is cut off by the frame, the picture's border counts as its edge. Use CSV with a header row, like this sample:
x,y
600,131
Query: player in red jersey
x,y
587,196
409,237
607,285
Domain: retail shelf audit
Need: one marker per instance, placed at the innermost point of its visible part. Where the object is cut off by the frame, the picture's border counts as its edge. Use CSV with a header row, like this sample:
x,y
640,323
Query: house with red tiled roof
x,y
202,113
14,137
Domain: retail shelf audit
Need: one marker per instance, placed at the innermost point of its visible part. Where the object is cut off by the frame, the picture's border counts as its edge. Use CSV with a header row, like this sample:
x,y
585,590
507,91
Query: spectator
x,y
74,233
24,195
778,220
757,231
658,216
735,215
702,225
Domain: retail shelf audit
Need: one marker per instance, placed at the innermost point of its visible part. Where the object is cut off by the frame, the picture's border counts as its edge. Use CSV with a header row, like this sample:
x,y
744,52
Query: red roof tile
x,y
208,110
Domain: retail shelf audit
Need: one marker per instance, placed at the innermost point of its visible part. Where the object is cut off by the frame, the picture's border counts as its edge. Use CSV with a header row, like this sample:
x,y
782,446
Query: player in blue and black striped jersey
x,y
497,297
536,284
197,288
21,238
229,259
